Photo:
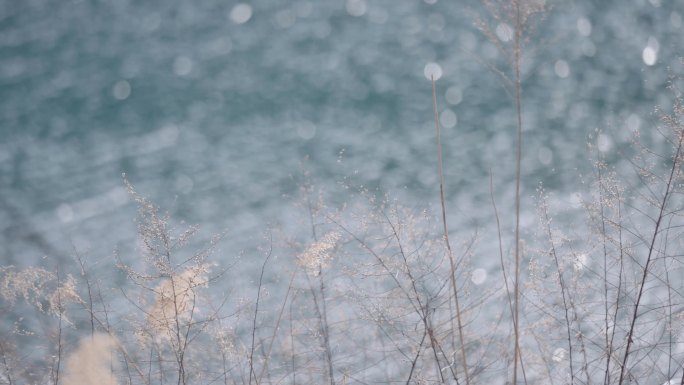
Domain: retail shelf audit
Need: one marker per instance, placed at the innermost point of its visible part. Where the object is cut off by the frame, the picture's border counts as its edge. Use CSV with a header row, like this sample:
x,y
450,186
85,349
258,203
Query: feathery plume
x,y
318,255
92,362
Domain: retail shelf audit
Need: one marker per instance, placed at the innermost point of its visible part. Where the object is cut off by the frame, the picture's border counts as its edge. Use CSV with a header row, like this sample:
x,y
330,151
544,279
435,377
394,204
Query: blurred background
x,y
220,111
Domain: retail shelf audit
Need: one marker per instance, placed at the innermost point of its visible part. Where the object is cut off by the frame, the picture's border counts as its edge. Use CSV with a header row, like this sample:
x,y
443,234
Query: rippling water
x,y
213,109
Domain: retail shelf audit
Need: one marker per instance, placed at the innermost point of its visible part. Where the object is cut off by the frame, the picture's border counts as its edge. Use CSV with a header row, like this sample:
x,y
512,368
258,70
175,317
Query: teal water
x,y
213,109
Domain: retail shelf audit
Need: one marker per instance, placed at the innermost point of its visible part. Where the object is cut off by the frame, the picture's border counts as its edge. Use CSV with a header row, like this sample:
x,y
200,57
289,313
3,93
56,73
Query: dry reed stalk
x,y
452,263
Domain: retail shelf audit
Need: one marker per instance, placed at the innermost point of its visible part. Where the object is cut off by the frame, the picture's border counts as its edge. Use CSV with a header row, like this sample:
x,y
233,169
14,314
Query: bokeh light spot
x,y
377,15
584,26
182,66
306,130
504,32
65,213
479,276
241,13
562,69
650,52
285,18
448,118
432,70
545,156
604,143
588,48
675,20
633,122
649,56
558,355
356,7
453,95
121,90
183,184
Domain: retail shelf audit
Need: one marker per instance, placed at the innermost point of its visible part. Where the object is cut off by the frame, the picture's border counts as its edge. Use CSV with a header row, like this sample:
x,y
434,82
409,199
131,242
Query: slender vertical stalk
x,y
618,290
252,372
452,273
561,283
323,324
160,363
292,342
606,375
84,274
518,157
322,311
59,330
267,355
180,351
324,327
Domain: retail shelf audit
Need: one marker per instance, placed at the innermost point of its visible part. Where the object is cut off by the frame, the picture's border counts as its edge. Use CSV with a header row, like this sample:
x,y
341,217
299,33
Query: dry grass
x,y
380,293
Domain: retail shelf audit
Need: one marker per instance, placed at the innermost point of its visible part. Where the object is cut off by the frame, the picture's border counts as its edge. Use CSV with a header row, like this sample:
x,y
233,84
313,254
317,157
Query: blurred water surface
x,y
215,109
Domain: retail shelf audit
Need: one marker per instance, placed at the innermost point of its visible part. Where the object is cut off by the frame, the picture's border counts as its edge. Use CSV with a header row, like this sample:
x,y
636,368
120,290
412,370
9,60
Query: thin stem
x,y
501,254
452,273
292,342
91,311
322,312
619,287
59,330
252,373
518,157
606,375
324,327
267,356
561,282
180,352
415,359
